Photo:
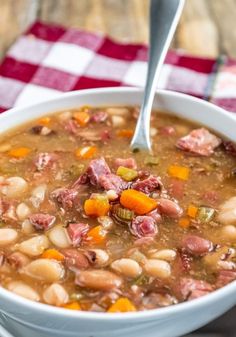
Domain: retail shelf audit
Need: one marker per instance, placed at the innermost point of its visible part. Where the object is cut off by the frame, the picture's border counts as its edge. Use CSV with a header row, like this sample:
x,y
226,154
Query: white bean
x,y
22,211
64,116
118,111
157,268
7,236
164,254
22,289
38,195
55,294
15,186
127,267
34,246
229,233
117,121
227,212
98,279
27,227
44,270
59,237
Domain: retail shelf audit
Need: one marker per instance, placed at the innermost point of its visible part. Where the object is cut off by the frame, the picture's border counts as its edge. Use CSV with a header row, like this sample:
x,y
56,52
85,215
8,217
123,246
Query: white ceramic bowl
x,y
24,318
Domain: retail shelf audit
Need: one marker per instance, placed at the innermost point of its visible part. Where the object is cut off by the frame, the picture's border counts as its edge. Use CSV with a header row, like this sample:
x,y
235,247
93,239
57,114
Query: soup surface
x,y
88,225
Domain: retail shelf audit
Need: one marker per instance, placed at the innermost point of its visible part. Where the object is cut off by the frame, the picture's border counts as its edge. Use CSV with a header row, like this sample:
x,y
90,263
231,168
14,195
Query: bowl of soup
x,y
97,240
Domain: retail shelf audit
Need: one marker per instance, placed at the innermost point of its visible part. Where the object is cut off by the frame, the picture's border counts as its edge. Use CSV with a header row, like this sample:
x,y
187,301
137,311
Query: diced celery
x,y
124,213
126,173
205,214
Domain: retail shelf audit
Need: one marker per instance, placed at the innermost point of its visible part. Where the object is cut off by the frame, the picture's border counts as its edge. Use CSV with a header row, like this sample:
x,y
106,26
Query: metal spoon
x,y
164,16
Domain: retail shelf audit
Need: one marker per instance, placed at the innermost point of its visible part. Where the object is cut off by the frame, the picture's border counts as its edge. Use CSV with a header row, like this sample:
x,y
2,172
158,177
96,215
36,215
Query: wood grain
x,y
207,27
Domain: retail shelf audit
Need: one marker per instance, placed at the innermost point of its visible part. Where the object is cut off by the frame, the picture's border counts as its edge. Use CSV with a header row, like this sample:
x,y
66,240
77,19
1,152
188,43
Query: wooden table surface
x,y
207,27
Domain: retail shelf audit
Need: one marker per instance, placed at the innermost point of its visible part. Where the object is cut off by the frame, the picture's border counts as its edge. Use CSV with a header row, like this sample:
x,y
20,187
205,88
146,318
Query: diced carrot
x,y
86,152
81,117
52,254
72,306
125,133
123,304
96,235
192,211
96,207
137,201
179,172
19,152
44,121
184,222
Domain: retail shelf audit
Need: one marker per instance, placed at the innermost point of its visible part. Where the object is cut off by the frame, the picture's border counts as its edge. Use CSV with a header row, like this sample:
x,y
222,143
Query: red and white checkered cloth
x,y
49,59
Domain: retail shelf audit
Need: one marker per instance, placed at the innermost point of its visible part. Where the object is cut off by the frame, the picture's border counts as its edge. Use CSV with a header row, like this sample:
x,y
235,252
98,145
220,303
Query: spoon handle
x,y
164,16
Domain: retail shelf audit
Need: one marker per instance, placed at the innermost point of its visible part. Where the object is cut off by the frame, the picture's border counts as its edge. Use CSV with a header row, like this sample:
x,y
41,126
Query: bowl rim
x,y
208,299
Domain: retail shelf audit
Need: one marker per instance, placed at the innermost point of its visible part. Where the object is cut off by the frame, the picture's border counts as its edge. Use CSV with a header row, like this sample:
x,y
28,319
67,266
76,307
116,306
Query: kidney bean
x,y
75,258
196,245
169,208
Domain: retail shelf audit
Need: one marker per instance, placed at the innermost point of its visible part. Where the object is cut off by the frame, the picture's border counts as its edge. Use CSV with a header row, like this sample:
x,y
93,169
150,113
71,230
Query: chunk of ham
x,y
76,232
190,288
65,197
112,182
196,245
199,142
45,160
71,126
99,116
42,221
148,185
128,162
169,208
225,277
96,169
155,215
143,226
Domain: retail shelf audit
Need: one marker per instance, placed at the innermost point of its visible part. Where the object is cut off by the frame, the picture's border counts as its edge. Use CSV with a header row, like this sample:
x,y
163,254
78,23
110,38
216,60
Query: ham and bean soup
x,y
88,225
